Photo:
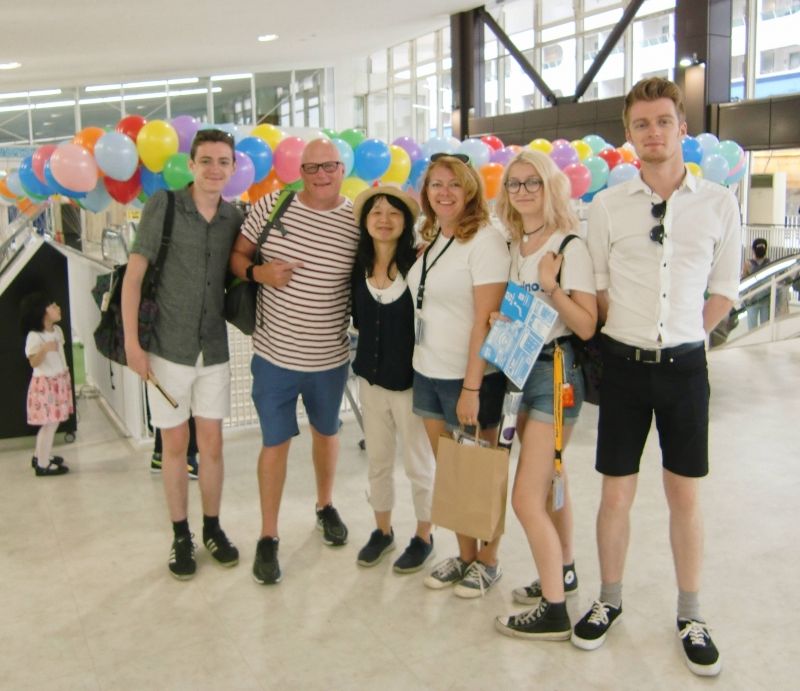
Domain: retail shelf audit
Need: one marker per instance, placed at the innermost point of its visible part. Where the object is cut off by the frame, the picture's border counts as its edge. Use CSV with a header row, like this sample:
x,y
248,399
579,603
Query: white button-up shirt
x,y
656,292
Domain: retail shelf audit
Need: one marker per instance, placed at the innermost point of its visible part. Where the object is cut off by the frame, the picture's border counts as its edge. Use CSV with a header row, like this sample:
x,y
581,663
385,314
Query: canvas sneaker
x,y
531,594
415,556
221,548
334,531
590,632
702,656
541,623
378,545
446,573
478,579
266,569
181,558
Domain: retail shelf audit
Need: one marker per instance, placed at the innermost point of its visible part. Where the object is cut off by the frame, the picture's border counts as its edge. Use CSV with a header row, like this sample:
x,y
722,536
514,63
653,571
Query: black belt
x,y
652,357
549,348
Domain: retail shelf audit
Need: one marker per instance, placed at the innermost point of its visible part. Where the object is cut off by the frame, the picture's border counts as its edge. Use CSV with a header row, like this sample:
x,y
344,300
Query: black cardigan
x,y
385,337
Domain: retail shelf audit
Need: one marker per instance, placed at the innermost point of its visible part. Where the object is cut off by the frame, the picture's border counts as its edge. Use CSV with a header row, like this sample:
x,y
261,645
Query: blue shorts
x,y
436,399
537,394
275,392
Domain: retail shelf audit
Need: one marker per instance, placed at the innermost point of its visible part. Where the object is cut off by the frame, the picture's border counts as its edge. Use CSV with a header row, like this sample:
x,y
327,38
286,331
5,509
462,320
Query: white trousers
x,y
387,415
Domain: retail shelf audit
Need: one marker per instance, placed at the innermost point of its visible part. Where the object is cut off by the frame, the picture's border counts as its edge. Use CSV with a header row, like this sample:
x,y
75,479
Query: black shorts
x,y
676,390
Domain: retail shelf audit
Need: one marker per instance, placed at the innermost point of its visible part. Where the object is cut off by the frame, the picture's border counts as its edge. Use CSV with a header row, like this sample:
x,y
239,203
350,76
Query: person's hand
x,y
276,273
549,265
497,317
467,408
137,359
52,346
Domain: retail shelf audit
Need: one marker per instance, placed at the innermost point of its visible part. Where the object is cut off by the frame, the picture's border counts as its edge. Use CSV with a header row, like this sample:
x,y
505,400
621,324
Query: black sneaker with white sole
x,y
702,656
415,556
266,569
221,548
378,545
181,558
590,632
545,623
531,594
334,531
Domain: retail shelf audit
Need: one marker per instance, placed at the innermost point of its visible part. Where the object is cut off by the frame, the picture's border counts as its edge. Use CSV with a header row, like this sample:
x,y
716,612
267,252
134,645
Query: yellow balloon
x,y
352,187
583,149
695,170
269,133
542,145
156,142
399,168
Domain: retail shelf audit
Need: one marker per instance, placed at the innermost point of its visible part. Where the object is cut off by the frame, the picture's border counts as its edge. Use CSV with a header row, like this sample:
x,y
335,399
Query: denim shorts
x,y
437,398
275,393
537,394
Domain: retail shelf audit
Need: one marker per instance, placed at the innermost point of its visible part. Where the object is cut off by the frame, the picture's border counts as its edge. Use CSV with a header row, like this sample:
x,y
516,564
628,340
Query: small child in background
x,y
50,391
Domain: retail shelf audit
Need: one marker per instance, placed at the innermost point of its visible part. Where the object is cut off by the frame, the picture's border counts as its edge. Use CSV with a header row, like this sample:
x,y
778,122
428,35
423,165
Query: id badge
x,y
558,492
567,396
418,330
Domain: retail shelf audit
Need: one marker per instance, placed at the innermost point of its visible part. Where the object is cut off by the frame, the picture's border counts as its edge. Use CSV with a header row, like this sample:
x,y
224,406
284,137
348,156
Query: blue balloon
x,y
478,152
30,183
708,141
98,199
260,154
439,145
152,182
13,183
116,155
372,159
715,168
622,172
418,169
346,154
57,187
692,150
589,196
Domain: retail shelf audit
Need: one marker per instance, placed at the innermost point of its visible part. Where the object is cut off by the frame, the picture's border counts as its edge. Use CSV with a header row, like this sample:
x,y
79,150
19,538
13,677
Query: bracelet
x,y
466,388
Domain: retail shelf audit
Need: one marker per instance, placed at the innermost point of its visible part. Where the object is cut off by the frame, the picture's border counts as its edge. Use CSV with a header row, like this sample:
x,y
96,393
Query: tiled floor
x,y
87,602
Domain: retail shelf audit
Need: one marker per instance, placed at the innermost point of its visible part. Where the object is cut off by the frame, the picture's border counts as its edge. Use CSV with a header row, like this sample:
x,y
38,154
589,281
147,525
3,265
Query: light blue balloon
x,y
715,168
346,154
479,154
730,151
372,159
622,172
708,142
736,176
596,142
438,145
98,199
13,183
116,155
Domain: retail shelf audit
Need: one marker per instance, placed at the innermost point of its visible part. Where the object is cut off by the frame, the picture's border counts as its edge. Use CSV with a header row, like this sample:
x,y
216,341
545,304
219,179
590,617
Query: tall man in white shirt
x,y
658,243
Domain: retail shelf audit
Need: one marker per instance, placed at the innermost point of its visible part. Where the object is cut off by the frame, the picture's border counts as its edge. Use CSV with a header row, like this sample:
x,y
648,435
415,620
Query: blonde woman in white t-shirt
x,y
534,205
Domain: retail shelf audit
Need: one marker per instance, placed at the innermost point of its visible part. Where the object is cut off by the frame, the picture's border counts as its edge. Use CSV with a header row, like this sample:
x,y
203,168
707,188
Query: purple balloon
x,y
242,177
503,156
564,154
186,126
413,149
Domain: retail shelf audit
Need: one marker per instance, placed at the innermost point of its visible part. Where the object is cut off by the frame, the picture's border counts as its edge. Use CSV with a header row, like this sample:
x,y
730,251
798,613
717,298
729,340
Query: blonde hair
x,y
476,212
652,89
557,209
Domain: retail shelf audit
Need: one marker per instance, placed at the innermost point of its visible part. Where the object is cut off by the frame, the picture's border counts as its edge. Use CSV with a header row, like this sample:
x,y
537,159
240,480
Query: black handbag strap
x,y
273,221
169,218
561,248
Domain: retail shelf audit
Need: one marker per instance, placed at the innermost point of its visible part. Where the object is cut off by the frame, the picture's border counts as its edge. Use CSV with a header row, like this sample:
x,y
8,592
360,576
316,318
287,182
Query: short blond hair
x,y
652,89
558,211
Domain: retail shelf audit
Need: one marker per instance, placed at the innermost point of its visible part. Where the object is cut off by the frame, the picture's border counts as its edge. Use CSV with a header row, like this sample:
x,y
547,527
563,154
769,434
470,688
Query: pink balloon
x,y
40,157
74,167
579,179
242,177
286,160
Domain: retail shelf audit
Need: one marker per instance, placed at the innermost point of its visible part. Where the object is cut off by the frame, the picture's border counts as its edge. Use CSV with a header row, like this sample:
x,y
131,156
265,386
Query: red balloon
x,y
130,125
636,162
124,191
493,142
580,178
611,156
40,157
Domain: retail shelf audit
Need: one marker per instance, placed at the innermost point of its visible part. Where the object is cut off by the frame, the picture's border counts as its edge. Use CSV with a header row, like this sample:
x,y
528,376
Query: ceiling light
x,y
266,38
226,77
10,65
690,61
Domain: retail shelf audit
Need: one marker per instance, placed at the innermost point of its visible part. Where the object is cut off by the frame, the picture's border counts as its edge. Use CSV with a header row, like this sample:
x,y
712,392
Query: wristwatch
x,y
249,273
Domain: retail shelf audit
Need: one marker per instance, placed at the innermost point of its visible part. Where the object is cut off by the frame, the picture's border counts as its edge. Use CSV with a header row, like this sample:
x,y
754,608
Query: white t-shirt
x,y
448,308
577,273
54,362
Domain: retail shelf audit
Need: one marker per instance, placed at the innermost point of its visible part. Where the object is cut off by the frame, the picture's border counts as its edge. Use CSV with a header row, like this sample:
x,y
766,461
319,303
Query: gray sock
x,y
688,606
611,593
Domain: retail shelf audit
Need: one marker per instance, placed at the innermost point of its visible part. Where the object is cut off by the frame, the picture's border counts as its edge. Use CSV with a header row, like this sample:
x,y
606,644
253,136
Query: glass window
x,y
377,70
598,21
426,107
491,88
654,47
401,115
400,56
426,48
192,102
518,23
447,102
518,89
378,115
653,6
272,95
558,66
592,5
13,124
100,109
777,28
233,99
610,80
556,10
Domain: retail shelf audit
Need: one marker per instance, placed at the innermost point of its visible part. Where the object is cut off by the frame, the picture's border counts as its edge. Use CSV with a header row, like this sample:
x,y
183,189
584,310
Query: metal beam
x,y
608,46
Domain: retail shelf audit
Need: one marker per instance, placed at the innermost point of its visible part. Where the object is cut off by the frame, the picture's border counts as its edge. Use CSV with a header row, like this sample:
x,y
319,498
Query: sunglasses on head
x,y
657,232
461,157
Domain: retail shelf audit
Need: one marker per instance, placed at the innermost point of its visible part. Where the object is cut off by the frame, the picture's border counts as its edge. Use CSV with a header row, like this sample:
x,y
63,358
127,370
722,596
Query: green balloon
x,y
329,133
296,186
176,171
352,137
143,197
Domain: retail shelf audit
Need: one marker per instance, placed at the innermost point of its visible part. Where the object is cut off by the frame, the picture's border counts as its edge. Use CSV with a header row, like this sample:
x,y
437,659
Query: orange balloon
x,y
88,137
25,205
4,191
627,154
268,185
492,174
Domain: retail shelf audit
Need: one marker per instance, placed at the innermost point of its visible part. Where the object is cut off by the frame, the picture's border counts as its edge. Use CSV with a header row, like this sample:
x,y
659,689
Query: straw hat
x,y
386,191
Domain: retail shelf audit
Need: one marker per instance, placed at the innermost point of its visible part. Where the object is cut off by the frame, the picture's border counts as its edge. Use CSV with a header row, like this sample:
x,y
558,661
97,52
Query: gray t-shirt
x,y
191,291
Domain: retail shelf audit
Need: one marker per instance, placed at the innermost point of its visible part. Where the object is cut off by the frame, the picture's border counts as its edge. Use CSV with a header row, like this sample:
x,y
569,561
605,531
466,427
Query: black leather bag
x,y
241,296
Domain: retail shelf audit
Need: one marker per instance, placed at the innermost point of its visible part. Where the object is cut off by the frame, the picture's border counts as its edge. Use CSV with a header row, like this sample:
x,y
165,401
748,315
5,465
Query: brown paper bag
x,y
469,493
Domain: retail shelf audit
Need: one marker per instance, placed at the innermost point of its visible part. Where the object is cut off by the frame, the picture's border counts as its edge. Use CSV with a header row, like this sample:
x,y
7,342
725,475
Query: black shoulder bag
x,y
241,296
109,336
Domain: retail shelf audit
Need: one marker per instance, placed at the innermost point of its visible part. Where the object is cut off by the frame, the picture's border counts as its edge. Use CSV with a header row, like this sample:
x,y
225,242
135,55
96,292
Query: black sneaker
x,y
590,632
266,569
55,460
541,622
221,548
334,532
415,556
155,463
51,469
377,546
702,656
181,559
192,467
531,594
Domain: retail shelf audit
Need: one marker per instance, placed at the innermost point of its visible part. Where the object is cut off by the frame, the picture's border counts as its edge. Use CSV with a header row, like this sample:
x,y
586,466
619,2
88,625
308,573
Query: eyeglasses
x,y
531,185
461,157
327,166
657,232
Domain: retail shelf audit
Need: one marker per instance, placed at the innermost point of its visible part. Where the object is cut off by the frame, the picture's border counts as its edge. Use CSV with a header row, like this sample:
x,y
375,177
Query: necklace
x,y
525,235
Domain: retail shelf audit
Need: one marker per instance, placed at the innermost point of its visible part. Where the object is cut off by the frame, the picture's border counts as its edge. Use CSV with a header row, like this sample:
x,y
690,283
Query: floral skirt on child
x,y
50,399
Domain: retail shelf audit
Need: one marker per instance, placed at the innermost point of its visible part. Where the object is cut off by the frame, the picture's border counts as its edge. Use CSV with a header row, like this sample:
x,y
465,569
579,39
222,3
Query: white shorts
x,y
205,391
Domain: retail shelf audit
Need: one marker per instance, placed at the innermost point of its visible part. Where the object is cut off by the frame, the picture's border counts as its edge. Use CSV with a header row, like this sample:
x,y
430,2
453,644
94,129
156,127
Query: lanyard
x,y
426,268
